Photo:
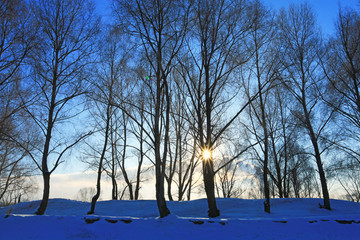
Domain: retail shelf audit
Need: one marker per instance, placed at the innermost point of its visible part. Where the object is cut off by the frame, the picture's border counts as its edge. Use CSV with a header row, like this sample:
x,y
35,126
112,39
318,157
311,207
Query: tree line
x,y
253,100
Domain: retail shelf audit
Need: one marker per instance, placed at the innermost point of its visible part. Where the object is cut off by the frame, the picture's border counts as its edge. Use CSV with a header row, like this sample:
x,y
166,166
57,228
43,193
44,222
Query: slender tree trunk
x,y
169,191
114,188
138,173
265,130
283,179
160,191
278,169
208,165
169,178
317,157
286,188
141,157
189,189
159,162
114,191
98,182
266,159
45,199
180,177
44,164
190,171
46,174
321,171
123,169
190,181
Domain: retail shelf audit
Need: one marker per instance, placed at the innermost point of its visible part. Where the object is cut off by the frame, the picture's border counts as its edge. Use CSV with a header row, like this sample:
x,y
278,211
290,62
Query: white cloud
x,y
67,185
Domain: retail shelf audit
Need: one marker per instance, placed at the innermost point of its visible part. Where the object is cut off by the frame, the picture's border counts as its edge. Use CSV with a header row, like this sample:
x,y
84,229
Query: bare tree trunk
x,y
277,167
122,165
191,175
45,171
114,190
266,136
100,168
208,165
208,172
160,162
44,163
45,198
191,168
172,168
285,176
314,142
141,157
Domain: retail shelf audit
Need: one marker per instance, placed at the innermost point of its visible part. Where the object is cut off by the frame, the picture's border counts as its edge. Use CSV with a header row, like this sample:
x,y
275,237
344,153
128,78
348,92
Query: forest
x,y
228,98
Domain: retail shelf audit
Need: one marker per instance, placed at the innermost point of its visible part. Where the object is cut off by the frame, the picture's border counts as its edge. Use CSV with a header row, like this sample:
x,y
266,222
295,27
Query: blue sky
x,y
326,10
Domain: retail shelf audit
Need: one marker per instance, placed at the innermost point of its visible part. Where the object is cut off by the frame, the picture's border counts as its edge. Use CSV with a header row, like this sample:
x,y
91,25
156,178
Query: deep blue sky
x,y
326,10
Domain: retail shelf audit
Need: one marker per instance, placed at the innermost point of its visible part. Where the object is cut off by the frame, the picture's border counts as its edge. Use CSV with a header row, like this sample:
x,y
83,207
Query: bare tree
x,y
59,63
15,169
15,40
227,185
350,182
108,116
110,83
159,26
137,130
263,70
183,152
342,70
342,67
301,179
15,174
111,167
113,70
85,194
283,136
122,159
301,43
219,31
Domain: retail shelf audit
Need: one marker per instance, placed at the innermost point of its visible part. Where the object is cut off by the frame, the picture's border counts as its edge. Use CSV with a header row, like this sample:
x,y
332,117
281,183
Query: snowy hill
x,y
240,219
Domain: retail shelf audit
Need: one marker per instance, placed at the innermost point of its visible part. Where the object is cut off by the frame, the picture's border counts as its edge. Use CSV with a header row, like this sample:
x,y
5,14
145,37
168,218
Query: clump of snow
x,y
245,219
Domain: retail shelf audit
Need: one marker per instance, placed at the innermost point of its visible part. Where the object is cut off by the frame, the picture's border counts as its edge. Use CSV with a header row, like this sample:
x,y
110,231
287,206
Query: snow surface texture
x,y
240,219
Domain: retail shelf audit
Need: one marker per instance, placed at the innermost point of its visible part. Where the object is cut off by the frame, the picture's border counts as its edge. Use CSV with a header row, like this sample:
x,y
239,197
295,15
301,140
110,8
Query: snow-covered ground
x,y
240,219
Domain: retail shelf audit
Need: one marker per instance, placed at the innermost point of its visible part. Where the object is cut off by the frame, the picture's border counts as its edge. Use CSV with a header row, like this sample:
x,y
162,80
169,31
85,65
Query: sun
x,y
206,154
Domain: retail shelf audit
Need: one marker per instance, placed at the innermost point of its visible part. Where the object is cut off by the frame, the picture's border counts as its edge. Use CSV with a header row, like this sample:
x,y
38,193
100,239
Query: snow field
x,y
240,219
